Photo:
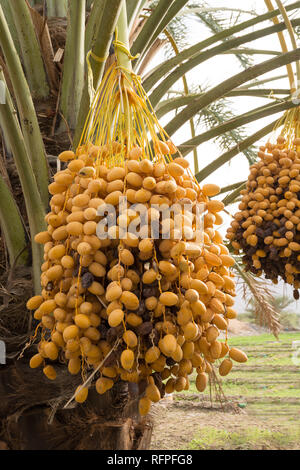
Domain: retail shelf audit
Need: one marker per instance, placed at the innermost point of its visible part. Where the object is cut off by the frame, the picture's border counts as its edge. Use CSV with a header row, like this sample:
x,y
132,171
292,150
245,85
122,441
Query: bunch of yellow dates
x,y
137,307
267,227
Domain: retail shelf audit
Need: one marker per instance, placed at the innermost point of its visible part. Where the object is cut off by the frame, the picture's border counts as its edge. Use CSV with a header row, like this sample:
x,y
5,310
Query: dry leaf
x,y
44,38
58,55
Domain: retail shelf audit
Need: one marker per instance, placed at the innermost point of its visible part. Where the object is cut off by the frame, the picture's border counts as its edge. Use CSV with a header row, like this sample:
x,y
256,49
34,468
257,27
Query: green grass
x,y
252,438
263,351
263,399
268,387
267,339
288,320
276,390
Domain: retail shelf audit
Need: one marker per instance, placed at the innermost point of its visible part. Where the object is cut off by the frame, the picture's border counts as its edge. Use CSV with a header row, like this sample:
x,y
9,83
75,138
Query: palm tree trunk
x,y
106,422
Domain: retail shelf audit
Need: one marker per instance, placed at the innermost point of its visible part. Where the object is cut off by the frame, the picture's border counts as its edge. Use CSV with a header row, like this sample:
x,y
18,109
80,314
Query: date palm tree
x,y
47,81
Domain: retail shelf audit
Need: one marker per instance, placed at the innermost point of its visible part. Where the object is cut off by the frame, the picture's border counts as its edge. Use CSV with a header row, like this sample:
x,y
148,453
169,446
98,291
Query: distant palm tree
x,y
289,320
280,303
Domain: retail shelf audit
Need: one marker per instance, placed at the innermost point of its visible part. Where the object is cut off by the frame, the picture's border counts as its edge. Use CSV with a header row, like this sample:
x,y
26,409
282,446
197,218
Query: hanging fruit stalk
x,y
165,300
267,227
136,292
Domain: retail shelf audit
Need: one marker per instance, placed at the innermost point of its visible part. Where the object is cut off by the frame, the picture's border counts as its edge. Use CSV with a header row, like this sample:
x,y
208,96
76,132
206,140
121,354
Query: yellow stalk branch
x,y
291,32
283,46
186,91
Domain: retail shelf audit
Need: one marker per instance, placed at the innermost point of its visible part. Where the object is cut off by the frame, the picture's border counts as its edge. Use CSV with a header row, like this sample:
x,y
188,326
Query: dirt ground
x,y
240,328
177,424
261,410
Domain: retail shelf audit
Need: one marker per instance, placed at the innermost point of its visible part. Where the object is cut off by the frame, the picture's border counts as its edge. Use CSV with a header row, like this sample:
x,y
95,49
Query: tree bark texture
x,y
32,415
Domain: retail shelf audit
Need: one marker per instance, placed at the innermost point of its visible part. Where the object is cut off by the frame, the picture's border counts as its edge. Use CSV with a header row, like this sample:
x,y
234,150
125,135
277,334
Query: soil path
x,y
177,423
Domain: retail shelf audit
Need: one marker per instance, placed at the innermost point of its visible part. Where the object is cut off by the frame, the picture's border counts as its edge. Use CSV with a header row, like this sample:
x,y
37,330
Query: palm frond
x,y
178,28
258,291
215,9
218,113
216,23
